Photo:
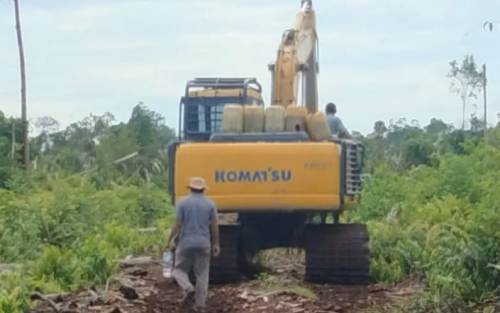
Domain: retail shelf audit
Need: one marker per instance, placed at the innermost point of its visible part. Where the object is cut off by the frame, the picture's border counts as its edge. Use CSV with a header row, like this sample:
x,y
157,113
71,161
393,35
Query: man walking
x,y
336,126
198,233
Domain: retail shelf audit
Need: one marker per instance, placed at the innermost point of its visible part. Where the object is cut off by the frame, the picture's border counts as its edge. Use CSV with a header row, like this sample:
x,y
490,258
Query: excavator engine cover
x,y
260,176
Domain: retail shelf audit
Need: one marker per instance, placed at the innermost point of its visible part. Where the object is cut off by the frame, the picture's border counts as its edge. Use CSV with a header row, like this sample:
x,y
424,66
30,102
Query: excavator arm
x,y
296,68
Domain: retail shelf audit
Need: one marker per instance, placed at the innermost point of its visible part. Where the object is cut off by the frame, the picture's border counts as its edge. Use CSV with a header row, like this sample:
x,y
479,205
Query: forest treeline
x,y
97,147
96,192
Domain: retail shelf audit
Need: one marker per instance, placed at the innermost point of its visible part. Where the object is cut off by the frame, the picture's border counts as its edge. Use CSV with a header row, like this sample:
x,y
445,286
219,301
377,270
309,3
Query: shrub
x,y
58,265
440,221
98,260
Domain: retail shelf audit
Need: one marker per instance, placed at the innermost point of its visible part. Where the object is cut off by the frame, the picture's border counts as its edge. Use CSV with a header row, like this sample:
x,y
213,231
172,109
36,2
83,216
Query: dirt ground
x,y
140,287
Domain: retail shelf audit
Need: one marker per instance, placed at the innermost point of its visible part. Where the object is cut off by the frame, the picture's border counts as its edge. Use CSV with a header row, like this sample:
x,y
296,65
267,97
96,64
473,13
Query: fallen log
x,y
8,267
139,261
38,296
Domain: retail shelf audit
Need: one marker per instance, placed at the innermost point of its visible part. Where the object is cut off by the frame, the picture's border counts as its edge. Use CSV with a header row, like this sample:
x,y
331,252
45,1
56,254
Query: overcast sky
x,y
379,59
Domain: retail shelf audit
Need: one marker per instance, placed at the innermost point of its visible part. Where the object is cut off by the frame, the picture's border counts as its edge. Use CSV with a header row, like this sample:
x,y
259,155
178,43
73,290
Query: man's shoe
x,y
199,309
187,296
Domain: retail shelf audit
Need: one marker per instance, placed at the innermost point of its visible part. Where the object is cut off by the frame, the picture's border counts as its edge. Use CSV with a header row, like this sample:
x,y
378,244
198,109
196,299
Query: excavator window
x,y
202,107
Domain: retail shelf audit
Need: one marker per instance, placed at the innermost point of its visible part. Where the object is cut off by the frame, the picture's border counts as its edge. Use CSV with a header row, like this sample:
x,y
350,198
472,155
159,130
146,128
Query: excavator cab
x,y
202,107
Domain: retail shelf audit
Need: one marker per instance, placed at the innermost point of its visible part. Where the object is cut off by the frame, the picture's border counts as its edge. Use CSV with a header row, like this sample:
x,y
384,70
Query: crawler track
x,y
337,254
224,268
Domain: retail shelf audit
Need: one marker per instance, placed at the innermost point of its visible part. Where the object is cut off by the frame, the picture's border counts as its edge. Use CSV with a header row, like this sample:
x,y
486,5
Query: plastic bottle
x,y
168,264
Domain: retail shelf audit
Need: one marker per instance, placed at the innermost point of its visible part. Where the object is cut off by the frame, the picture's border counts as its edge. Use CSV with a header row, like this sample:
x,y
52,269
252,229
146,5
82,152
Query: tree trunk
x,y
24,113
13,146
463,96
485,99
464,101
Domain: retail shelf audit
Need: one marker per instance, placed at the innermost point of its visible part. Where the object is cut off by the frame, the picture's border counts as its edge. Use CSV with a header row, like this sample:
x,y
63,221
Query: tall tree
x,y
466,82
379,128
24,113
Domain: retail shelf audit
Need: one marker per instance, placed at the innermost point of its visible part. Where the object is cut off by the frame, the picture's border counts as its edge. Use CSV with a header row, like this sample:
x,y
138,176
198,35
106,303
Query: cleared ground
x,y
140,287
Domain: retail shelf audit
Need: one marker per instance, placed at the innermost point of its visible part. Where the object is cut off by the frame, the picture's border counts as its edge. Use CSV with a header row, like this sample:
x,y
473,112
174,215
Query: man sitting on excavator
x,y
336,126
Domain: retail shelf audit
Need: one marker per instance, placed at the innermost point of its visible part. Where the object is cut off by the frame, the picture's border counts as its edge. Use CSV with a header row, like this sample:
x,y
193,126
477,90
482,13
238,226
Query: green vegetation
x,y
68,221
73,235
433,209
431,202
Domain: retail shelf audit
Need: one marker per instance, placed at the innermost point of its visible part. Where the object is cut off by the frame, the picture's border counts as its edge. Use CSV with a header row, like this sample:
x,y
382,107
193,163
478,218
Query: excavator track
x,y
337,254
224,268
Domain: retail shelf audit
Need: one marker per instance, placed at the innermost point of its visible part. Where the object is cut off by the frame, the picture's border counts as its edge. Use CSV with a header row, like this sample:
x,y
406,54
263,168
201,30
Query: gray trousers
x,y
197,260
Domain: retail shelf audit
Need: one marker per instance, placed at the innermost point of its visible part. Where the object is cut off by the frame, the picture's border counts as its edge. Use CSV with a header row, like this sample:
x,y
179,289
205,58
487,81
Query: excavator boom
x,y
296,68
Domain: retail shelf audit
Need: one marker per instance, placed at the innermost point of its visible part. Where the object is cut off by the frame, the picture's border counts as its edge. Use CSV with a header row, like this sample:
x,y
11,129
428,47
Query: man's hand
x,y
215,250
174,233
214,225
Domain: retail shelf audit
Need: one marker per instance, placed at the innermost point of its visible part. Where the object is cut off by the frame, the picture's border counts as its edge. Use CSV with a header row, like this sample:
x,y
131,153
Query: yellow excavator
x,y
270,187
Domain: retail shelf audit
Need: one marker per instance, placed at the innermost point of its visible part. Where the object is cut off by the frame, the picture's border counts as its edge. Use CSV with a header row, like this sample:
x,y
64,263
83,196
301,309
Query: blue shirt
x,y
196,212
336,126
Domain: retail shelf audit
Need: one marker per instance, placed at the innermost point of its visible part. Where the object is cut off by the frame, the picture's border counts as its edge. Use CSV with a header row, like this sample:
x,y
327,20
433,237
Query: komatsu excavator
x,y
269,187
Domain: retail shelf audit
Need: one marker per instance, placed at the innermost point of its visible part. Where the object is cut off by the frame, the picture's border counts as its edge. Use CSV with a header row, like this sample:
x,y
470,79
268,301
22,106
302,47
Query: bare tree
x,y
24,113
466,82
13,145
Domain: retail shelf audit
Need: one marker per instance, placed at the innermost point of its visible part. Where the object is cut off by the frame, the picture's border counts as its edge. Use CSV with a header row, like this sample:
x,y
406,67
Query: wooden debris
x,y
140,288
139,261
7,267
147,230
38,296
115,310
128,292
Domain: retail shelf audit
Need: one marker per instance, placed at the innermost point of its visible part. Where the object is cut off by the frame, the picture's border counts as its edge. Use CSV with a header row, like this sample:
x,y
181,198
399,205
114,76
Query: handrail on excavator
x,y
224,83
